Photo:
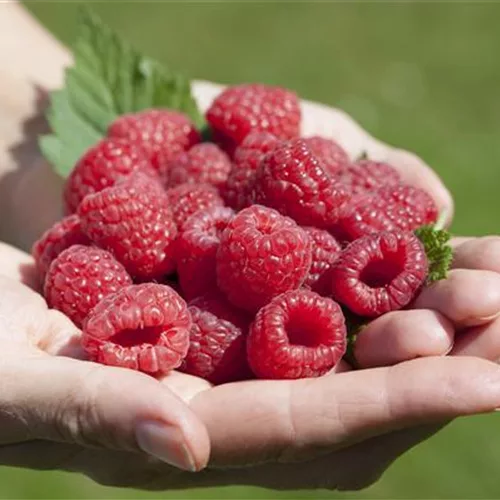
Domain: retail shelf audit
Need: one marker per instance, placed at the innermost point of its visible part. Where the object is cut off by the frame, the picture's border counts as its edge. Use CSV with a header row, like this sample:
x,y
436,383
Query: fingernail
x,y
165,442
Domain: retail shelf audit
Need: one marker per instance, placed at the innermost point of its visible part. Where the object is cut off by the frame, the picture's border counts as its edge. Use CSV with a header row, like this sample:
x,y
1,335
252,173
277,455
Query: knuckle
x,y
490,252
77,417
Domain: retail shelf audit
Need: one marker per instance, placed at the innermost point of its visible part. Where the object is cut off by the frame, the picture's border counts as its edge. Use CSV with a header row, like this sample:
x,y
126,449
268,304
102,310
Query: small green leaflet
x,y
108,78
439,252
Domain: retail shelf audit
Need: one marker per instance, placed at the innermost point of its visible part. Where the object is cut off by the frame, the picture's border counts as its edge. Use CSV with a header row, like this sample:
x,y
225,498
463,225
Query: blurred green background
x,y
422,76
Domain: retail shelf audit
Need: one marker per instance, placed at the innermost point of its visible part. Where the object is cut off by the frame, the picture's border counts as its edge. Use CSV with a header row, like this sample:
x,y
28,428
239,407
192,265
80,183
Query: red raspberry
x,y
261,254
298,334
253,148
203,163
196,249
61,235
143,327
325,251
379,273
132,220
217,349
187,199
386,209
242,109
79,278
164,133
293,181
238,189
109,161
368,175
329,152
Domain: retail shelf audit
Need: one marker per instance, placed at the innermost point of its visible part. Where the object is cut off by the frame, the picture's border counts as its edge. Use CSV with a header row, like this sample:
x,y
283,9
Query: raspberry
x,y
102,166
203,163
163,133
132,220
253,148
143,327
79,278
379,273
325,251
187,199
217,349
61,235
293,181
242,109
386,209
298,334
247,158
261,254
330,153
196,249
368,175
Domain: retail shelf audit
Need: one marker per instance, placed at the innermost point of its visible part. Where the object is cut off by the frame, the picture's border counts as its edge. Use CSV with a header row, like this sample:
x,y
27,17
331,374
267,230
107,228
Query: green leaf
x,y
108,78
438,250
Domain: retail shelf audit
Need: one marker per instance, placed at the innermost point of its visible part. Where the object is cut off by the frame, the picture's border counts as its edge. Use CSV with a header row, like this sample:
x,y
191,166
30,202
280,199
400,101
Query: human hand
x,y
338,431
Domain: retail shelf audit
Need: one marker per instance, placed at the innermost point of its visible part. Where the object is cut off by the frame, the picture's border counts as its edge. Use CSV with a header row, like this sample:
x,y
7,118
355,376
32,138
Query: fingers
x,y
290,420
481,341
477,253
467,298
17,265
62,399
401,336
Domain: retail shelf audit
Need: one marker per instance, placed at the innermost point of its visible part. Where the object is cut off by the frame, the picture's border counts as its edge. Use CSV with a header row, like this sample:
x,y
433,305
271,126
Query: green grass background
x,y
419,75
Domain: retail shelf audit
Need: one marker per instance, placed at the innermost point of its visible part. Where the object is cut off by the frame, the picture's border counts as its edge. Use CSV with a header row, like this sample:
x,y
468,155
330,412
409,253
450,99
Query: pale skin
x,y
59,411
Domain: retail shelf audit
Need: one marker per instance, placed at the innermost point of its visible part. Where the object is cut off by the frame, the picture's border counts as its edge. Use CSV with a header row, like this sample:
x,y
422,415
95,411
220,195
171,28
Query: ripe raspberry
x,y
368,175
242,109
143,327
379,273
388,208
261,254
217,349
109,161
196,249
163,133
298,334
132,220
293,181
237,192
187,199
325,251
329,152
203,163
61,235
79,278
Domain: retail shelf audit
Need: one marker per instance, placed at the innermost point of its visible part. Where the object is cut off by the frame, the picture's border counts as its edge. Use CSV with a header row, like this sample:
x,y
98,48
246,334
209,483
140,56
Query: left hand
x,y
340,431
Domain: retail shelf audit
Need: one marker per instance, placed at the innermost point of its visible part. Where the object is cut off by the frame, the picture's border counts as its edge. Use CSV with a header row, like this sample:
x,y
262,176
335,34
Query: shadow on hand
x,y
30,193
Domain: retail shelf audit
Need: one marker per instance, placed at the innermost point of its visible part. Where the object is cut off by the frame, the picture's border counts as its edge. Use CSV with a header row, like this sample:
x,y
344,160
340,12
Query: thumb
x,y
294,420
67,400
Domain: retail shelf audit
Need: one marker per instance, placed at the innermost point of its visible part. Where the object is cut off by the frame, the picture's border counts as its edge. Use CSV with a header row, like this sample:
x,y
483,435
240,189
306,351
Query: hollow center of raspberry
x,y
132,337
380,273
305,330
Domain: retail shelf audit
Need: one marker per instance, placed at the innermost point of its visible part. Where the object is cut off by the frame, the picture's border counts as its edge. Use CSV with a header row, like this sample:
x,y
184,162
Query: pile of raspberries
x,y
231,259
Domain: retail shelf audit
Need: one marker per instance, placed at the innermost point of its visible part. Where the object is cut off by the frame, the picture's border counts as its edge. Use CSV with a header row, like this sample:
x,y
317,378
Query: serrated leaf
x,y
109,78
439,252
